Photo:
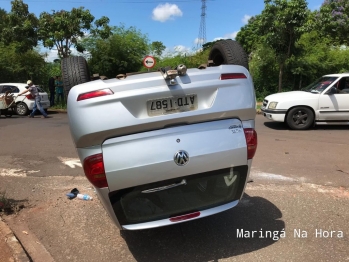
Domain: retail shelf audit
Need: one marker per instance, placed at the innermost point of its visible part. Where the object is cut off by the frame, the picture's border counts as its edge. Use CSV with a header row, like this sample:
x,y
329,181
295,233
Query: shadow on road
x,y
331,127
211,238
276,125
283,126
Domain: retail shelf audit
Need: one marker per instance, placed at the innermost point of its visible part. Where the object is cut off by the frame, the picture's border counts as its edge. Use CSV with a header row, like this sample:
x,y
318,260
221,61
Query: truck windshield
x,y
320,84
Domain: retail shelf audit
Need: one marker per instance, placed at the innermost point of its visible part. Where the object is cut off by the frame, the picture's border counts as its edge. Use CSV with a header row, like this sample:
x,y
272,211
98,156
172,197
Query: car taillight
x,y
96,93
30,97
233,76
94,170
251,141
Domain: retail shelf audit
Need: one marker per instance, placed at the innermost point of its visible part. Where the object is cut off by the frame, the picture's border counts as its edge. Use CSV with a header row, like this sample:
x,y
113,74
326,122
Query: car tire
x,y
300,118
228,52
74,72
22,109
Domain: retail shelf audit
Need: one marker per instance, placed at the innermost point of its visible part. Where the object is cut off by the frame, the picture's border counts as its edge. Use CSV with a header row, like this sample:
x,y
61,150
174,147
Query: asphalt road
x,y
301,182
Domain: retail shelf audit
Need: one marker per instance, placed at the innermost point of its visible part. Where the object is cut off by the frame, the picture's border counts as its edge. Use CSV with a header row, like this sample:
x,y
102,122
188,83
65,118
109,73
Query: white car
x,y
25,103
326,101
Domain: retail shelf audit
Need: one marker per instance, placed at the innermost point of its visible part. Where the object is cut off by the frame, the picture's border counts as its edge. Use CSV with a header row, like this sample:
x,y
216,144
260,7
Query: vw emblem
x,y
181,158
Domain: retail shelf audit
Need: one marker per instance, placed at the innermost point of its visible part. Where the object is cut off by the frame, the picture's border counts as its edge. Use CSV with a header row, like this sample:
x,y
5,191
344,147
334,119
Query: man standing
x,y
37,104
51,85
59,89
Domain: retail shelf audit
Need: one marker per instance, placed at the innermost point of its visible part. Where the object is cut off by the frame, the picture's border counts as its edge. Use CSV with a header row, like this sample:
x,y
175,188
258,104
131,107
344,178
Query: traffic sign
x,y
149,62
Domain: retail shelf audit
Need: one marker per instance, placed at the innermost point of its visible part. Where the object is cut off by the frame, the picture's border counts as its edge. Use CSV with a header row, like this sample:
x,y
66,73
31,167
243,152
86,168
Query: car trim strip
x,y
344,111
333,121
276,111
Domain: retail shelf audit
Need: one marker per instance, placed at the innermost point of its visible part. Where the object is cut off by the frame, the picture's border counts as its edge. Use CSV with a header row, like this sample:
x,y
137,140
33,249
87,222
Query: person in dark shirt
x,y
59,90
51,85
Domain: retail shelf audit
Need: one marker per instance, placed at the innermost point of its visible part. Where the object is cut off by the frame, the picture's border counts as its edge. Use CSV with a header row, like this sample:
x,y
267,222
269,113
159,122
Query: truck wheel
x,y
74,72
300,118
228,52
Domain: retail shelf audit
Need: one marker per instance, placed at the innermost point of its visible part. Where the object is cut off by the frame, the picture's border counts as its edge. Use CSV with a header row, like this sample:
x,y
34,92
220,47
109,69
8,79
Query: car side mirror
x,y
332,91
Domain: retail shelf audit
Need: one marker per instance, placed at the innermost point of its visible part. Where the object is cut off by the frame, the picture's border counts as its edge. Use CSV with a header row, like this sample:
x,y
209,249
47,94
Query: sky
x,y
175,23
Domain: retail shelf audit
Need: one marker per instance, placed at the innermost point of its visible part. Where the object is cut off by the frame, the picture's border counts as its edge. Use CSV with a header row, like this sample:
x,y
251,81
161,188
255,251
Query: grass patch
x,y
4,202
59,106
9,206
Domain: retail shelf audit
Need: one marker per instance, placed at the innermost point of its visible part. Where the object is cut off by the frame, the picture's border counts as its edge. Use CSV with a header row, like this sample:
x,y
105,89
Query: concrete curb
x,y
14,246
32,245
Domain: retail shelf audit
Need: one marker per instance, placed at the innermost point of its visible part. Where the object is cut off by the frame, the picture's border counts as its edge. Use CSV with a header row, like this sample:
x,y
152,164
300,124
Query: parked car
x,y
24,103
167,146
326,101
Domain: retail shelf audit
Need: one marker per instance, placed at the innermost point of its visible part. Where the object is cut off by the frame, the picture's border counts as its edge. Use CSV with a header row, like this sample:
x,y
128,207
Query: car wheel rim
x,y
300,118
20,109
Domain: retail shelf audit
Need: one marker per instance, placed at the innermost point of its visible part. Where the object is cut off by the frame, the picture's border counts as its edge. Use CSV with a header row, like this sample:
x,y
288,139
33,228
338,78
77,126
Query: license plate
x,y
170,105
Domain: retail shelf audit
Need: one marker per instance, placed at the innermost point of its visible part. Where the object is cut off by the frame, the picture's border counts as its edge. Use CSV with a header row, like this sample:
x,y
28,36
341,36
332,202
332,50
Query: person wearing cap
x,y
37,98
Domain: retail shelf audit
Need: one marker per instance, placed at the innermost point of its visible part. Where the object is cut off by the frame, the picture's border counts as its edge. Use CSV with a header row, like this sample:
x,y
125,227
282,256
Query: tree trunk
x,y
300,82
280,76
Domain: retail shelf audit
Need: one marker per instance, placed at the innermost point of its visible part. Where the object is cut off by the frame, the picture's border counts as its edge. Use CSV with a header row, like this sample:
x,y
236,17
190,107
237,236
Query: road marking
x,y
270,176
12,172
71,162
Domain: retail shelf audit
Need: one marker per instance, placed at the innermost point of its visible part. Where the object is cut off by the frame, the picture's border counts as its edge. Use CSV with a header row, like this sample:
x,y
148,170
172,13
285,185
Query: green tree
x,y
321,56
249,35
3,18
264,70
333,20
281,25
100,30
62,29
19,26
122,52
157,48
19,67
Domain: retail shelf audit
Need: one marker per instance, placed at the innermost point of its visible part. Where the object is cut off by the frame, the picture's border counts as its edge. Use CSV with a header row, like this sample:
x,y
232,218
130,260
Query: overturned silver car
x,y
169,146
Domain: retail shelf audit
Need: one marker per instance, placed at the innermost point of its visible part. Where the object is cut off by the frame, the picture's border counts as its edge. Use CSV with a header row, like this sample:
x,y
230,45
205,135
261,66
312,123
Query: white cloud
x,y
182,49
218,38
52,54
164,12
245,19
198,41
176,50
227,36
231,35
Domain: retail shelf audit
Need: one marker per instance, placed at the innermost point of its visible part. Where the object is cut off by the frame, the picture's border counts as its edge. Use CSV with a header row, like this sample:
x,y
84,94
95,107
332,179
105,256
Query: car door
x,y
335,107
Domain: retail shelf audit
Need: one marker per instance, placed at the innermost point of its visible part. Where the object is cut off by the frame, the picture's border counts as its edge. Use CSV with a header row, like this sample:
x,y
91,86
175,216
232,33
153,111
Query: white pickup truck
x,y
326,101
167,146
